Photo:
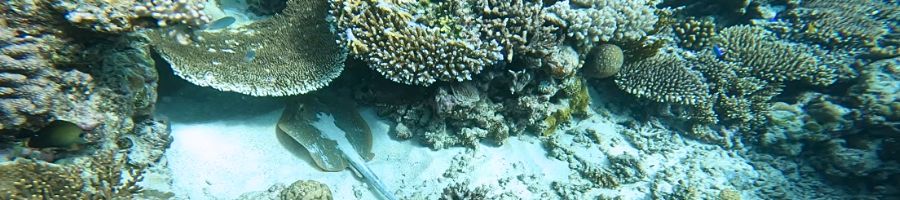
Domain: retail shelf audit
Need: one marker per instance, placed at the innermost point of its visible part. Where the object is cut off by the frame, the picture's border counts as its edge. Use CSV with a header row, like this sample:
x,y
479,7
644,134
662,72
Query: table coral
x,y
292,53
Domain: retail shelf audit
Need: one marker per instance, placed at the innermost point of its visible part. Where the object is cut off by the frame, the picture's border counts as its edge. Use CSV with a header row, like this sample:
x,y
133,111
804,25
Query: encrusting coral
x,y
443,43
291,53
129,15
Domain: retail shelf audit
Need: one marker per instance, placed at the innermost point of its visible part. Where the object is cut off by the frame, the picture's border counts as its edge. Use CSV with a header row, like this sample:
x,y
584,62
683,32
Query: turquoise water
x,y
451,99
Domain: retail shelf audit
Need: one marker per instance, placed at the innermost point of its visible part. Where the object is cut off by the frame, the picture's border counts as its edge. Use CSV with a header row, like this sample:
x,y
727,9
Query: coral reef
x,y
98,177
129,15
838,23
780,62
442,44
588,22
291,53
878,92
518,26
28,179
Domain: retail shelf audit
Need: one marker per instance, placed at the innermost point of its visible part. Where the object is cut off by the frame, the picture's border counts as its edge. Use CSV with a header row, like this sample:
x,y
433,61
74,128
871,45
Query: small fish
x,y
57,134
774,19
251,54
718,51
220,23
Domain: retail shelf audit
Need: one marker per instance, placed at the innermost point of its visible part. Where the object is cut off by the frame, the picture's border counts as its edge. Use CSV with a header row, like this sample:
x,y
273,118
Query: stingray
x,y
334,133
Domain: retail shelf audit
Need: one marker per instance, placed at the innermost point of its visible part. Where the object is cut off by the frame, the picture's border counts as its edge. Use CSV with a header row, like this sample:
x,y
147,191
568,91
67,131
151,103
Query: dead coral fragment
x,y
290,53
404,48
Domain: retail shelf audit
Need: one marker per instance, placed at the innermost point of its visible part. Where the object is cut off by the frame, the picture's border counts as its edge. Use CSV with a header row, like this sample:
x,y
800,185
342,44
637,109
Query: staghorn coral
x,y
290,53
129,15
781,61
417,49
695,34
518,25
842,22
664,78
588,22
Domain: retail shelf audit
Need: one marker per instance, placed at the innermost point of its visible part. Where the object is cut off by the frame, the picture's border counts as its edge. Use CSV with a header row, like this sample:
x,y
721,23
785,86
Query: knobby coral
x,y
291,53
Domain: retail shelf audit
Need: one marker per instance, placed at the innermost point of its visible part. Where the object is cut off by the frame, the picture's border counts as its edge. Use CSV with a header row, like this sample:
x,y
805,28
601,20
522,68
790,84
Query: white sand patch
x,y
224,159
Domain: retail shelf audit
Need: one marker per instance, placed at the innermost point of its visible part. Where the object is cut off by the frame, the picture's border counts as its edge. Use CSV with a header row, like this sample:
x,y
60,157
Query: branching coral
x,y
590,21
778,62
291,53
518,25
664,78
28,179
695,34
443,43
100,177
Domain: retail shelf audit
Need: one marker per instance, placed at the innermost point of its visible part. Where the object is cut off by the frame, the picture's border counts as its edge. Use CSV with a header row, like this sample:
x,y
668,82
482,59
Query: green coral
x,y
290,53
